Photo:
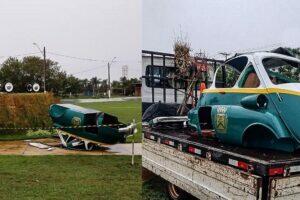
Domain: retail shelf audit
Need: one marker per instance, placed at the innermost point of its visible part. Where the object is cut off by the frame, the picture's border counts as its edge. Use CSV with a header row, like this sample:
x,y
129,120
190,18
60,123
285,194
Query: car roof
x,y
239,62
264,54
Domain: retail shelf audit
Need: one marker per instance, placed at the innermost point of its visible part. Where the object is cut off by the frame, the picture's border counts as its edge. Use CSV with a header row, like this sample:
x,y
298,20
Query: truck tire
x,y
175,193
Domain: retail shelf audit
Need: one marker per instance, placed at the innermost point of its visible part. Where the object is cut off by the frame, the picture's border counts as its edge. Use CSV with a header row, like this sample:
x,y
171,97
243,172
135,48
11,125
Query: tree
x,y
291,71
95,82
103,86
294,51
30,70
12,71
128,85
72,86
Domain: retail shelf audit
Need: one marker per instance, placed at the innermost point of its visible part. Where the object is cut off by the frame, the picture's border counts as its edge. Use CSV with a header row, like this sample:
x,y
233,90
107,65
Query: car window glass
x,y
238,63
226,77
162,79
282,71
250,78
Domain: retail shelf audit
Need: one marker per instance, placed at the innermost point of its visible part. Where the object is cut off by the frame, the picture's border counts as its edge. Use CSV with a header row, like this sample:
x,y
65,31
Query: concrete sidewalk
x,y
21,147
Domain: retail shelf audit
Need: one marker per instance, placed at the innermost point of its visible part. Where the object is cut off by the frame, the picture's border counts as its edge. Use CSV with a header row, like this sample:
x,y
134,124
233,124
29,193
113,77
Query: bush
x,y
25,110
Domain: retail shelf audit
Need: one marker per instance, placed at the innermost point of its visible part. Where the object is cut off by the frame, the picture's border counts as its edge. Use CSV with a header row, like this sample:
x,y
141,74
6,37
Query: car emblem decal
x,y
76,121
221,119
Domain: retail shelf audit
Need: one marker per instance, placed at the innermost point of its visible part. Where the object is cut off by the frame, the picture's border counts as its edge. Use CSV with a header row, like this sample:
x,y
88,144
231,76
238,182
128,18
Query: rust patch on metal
x,y
244,176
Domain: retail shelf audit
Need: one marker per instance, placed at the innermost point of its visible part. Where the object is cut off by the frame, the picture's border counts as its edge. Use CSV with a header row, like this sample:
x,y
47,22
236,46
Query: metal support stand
x,y
71,142
132,149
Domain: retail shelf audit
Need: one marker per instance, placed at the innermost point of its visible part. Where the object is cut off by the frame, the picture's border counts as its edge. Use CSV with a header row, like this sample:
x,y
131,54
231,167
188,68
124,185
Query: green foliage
x,y
294,51
290,72
30,70
231,76
125,86
72,85
286,72
95,82
30,134
25,110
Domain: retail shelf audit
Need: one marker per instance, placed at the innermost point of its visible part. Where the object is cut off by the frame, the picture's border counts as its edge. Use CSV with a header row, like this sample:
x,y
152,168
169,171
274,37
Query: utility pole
x,y
108,68
45,63
225,54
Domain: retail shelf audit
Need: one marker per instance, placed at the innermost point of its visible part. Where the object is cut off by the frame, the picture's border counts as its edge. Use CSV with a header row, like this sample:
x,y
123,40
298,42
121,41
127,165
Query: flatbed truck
x,y
204,167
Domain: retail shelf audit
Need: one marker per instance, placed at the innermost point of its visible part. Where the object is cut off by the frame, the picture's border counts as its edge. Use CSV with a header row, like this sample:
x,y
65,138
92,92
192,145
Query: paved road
x,y
21,147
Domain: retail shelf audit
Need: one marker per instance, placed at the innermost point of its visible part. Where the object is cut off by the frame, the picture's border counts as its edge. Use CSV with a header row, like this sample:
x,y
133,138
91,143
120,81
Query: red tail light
x,y
276,171
243,165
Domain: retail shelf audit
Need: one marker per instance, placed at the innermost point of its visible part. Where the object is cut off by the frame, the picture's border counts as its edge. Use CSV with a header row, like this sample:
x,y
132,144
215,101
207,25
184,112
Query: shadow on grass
x,y
154,189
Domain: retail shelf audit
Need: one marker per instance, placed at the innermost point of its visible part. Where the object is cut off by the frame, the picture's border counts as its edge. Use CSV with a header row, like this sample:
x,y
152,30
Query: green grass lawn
x,y
69,177
126,111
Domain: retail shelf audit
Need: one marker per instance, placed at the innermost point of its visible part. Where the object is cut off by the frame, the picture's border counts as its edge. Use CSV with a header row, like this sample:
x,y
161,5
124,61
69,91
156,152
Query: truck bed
x,y
259,161
209,169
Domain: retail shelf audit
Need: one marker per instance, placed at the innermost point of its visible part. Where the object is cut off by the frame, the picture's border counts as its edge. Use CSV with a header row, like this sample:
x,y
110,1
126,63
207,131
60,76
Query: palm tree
x,y
95,81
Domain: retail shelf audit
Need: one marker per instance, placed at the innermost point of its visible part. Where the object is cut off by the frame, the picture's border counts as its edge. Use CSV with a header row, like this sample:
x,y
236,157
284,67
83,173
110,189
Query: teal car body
x,y
89,124
256,104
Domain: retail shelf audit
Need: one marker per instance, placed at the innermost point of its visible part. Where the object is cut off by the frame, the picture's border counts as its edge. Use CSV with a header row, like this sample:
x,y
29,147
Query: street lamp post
x,y
45,63
108,79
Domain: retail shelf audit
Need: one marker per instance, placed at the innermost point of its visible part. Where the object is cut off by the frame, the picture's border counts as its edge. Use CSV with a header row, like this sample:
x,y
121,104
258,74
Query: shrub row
x,y
25,110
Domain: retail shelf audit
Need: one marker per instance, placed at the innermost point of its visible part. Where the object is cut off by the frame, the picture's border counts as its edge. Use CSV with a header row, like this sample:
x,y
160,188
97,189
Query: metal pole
x,y
132,150
164,78
44,53
152,77
108,68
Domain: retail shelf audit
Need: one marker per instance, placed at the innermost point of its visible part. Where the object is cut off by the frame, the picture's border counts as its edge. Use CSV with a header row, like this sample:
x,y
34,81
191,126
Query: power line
x,y
87,70
89,59
18,55
74,57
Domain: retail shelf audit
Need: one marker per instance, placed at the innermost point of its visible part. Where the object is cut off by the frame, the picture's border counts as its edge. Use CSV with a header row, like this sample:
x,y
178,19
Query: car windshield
x,y
282,71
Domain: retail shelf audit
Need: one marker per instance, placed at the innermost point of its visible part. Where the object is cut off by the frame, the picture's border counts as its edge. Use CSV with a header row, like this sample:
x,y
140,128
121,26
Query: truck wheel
x,y
175,193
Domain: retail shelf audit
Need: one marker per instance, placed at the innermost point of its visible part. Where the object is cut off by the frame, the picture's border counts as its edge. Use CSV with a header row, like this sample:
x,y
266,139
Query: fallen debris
x,y
41,146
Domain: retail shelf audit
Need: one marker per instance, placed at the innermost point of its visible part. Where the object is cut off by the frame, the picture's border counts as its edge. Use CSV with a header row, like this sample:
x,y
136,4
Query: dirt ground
x,y
22,147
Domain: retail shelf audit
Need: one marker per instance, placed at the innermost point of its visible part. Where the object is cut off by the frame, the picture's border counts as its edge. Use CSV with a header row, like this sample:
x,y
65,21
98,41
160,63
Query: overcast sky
x,y
103,29
96,29
223,25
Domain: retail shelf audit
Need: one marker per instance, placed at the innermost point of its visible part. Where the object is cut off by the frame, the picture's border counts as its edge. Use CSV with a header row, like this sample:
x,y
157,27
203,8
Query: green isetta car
x,y
254,101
